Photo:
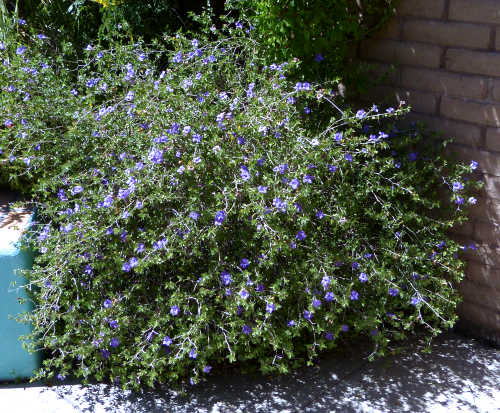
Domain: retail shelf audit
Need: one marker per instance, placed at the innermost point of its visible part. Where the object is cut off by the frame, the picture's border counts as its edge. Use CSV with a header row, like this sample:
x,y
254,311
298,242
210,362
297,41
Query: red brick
x,y
491,187
465,230
496,89
468,61
464,133
391,30
472,36
432,9
489,163
486,209
480,294
479,315
487,232
482,273
409,53
493,139
482,255
448,84
481,113
481,11
419,101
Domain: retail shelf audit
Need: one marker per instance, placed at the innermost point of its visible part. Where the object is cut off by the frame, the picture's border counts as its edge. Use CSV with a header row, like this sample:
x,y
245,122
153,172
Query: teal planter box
x,y
15,361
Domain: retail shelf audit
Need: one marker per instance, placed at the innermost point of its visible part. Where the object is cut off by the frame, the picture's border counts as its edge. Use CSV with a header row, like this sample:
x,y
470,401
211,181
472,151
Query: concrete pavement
x,y
460,375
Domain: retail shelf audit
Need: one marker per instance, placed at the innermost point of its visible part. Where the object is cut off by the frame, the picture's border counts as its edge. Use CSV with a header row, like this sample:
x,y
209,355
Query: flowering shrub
x,y
216,212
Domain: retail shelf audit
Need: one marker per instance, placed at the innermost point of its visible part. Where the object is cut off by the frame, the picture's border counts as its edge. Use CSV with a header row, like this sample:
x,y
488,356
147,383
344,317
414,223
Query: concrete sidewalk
x,y
460,375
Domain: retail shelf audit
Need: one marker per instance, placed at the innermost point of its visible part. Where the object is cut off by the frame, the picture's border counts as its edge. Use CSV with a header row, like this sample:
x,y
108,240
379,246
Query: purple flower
x,y
473,165
393,292
301,235
320,214
281,168
260,287
244,263
20,50
194,215
174,310
308,179
105,354
262,189
114,342
348,157
472,200
155,155
294,183
245,173
457,186
329,296
332,168
244,294
316,303
226,278
360,114
354,295
167,341
108,303
192,354
113,324
220,217
247,329
307,315
270,307
76,190
415,300
319,58
344,328
459,201
325,281
140,248
207,369
130,96
363,277
279,204
67,228
329,335
126,266
291,323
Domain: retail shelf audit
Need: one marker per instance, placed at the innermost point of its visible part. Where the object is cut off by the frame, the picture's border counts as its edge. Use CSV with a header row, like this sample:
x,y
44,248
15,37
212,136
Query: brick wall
x,y
447,58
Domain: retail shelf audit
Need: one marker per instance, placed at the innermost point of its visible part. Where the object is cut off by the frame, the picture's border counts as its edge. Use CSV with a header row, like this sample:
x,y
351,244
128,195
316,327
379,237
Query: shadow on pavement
x,y
459,375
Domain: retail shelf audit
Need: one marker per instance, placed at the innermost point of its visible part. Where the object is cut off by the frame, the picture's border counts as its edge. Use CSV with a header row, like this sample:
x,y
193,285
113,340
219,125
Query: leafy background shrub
x,y
317,31
214,209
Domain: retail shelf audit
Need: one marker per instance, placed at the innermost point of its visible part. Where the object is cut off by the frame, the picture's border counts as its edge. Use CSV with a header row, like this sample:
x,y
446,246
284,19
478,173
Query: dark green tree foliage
x,y
315,30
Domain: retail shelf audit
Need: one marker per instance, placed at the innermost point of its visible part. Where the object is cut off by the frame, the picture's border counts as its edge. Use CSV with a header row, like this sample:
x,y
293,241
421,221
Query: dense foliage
x,y
213,211
315,30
